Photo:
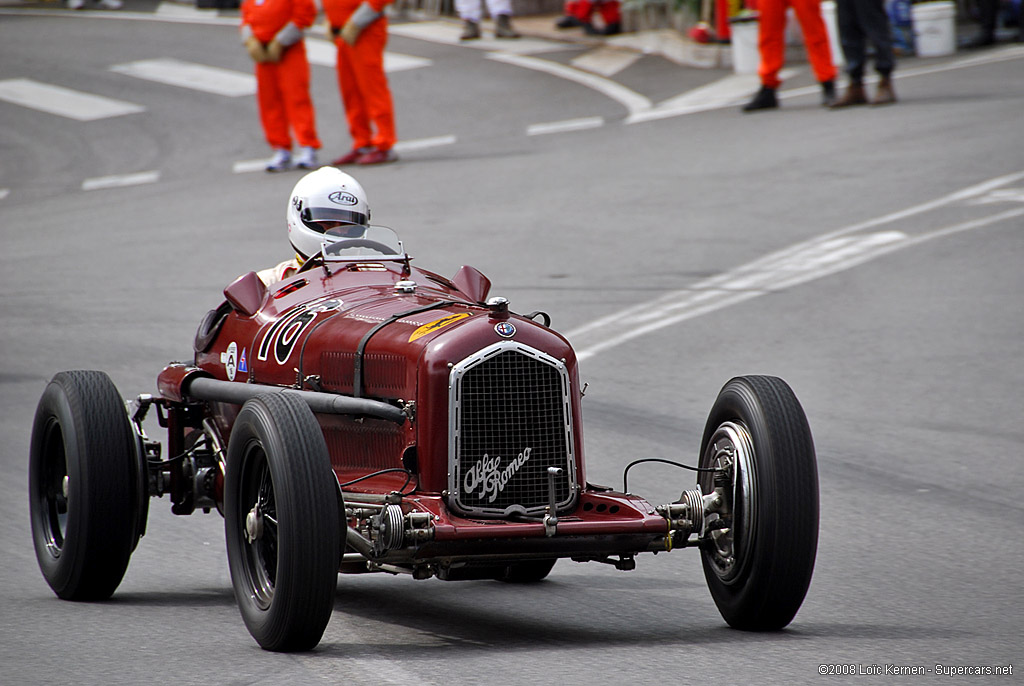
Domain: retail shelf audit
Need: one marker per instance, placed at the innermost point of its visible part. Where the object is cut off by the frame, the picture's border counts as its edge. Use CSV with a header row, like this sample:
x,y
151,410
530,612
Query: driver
x,y
321,200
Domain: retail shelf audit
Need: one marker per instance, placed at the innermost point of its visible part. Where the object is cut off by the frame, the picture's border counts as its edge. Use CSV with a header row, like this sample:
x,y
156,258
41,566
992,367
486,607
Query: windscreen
x,y
359,243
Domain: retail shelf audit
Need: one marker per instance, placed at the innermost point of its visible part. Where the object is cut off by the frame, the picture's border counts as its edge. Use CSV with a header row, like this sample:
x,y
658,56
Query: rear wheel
x,y
281,523
758,563
84,486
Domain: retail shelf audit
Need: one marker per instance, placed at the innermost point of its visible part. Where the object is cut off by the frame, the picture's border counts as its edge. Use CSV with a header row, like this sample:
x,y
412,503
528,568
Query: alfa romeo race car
x,y
364,416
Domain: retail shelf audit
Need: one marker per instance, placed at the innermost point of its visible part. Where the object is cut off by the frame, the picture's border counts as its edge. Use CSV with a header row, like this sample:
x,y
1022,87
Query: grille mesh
x,y
511,410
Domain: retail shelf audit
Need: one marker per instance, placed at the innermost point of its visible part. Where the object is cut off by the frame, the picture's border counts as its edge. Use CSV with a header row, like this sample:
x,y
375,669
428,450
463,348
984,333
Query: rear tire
x,y
758,569
281,523
83,486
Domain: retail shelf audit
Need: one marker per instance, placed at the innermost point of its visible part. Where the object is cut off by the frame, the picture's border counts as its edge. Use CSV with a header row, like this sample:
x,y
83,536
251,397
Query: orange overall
x,y
282,88
361,79
771,39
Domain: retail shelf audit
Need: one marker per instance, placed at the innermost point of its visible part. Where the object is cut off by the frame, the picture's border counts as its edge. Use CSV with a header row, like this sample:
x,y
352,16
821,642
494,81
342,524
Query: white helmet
x,y
325,195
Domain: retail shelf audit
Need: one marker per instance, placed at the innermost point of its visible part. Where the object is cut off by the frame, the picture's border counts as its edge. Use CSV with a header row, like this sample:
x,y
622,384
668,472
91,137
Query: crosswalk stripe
x,y
198,77
64,102
117,181
322,52
448,33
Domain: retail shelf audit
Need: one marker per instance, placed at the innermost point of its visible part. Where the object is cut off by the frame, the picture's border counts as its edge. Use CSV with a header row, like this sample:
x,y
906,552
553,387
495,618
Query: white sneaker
x,y
110,4
281,161
76,4
306,159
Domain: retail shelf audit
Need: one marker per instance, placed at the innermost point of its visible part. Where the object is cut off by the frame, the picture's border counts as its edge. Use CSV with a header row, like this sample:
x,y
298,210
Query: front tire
x,y
281,523
83,486
758,566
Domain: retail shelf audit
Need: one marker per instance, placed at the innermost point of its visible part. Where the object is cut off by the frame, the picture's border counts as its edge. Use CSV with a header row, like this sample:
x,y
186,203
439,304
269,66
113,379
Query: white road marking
x,y
176,9
169,18
732,90
447,33
118,181
396,61
729,91
64,102
1001,195
813,259
605,61
183,74
247,166
323,53
564,126
4,192
423,143
957,196
631,100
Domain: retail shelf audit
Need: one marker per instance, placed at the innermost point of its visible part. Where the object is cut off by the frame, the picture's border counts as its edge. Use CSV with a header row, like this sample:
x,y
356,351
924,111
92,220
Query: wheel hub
x,y
253,524
731,450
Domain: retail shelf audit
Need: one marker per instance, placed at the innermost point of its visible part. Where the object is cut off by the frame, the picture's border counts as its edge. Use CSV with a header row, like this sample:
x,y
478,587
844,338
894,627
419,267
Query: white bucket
x,y
934,28
745,55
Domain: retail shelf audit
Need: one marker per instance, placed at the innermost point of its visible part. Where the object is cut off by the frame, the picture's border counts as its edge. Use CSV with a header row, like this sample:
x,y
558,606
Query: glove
x,y
255,49
350,32
360,19
274,50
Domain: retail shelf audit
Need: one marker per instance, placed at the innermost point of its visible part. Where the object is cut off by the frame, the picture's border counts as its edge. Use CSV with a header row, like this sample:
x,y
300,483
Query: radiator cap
x,y
497,304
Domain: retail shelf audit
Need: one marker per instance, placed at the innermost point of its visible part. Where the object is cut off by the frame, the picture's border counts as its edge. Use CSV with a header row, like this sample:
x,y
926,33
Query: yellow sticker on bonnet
x,y
436,324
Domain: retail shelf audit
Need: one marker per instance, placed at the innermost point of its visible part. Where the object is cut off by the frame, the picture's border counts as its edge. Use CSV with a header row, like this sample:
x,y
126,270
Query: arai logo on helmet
x,y
343,198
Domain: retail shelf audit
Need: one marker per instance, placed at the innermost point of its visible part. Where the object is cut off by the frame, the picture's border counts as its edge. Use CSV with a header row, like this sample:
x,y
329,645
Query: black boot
x,y
503,27
470,30
764,100
828,93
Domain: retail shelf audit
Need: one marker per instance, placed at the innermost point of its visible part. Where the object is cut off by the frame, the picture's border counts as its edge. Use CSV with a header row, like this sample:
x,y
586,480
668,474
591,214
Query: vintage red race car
x,y
368,416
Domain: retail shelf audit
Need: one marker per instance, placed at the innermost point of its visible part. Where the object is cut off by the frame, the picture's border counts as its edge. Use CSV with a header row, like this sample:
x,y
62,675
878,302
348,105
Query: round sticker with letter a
x,y
230,360
505,329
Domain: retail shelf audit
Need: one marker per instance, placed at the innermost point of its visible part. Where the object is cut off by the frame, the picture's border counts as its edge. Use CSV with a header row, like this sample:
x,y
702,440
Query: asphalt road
x,y
870,257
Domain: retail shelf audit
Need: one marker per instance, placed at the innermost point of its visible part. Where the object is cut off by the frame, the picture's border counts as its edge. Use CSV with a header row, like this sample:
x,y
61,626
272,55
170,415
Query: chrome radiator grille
x,y
510,420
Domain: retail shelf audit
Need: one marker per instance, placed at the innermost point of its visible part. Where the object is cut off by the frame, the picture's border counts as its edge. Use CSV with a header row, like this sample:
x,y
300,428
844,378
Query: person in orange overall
x,y
771,43
272,32
360,31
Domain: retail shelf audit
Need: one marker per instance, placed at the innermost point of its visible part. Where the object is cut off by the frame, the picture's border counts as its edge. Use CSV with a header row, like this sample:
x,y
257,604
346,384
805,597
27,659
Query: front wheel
x,y
281,523
84,486
759,556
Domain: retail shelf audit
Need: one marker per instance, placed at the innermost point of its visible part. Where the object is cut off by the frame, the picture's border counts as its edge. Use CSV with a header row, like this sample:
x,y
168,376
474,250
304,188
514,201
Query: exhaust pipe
x,y
202,388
